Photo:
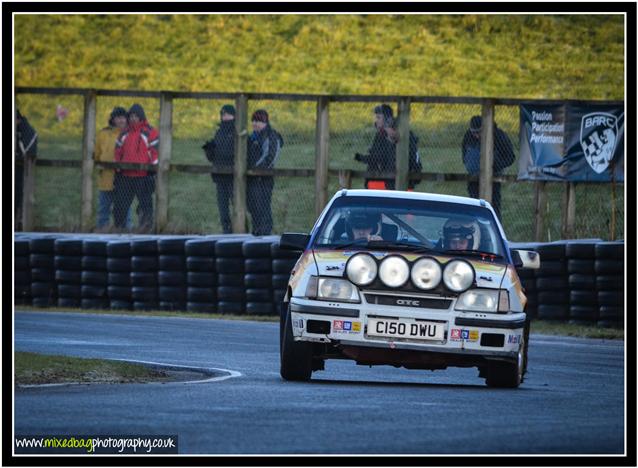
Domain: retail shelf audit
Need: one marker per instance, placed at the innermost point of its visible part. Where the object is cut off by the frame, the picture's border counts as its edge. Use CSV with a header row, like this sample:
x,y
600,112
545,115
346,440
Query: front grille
x,y
407,301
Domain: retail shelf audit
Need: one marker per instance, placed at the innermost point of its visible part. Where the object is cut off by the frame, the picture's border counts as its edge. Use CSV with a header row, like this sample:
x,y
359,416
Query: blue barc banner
x,y
576,143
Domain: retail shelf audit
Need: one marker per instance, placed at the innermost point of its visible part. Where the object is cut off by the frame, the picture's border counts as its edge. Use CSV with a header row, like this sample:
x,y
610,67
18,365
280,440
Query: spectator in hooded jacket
x,y
264,146
381,157
138,143
26,146
471,153
221,152
105,152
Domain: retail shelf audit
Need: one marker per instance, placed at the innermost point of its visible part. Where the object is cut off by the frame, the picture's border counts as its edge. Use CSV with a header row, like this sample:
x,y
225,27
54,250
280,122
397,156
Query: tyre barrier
x,y
581,280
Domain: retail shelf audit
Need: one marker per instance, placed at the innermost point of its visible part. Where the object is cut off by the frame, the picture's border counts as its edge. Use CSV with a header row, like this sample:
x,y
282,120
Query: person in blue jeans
x,y
471,154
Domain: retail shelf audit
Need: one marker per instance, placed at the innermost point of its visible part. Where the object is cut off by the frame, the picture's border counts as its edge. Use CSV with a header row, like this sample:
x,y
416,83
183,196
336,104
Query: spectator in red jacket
x,y
138,143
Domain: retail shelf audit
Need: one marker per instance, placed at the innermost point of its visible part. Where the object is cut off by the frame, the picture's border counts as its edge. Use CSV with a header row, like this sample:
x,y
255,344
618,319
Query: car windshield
x,y
403,224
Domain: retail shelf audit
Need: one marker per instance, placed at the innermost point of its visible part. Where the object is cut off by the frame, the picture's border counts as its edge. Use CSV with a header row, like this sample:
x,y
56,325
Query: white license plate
x,y
406,328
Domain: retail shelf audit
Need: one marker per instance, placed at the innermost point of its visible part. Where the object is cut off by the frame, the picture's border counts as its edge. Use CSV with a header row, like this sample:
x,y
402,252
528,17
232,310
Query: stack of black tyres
x,y
22,272
172,273
201,276
68,274
258,276
118,267
42,264
551,283
581,282
95,277
229,263
609,268
144,273
282,263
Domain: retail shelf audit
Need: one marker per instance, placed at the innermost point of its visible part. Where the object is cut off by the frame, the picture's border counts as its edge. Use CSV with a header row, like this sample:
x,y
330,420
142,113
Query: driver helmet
x,y
462,228
359,219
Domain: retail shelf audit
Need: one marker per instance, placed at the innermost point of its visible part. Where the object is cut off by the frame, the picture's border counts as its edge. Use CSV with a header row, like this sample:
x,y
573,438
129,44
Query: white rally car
x,y
408,279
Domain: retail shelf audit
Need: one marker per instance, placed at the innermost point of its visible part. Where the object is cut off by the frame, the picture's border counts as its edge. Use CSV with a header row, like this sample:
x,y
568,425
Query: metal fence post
x,y
540,202
165,151
239,168
487,151
321,154
403,147
28,191
88,148
569,210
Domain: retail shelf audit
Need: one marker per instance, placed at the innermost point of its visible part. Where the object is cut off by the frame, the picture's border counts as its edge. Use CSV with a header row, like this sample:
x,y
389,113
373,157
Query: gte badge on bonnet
x,y
598,137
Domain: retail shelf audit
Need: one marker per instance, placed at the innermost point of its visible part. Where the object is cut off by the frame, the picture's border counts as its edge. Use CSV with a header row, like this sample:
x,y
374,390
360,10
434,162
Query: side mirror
x,y
526,259
294,241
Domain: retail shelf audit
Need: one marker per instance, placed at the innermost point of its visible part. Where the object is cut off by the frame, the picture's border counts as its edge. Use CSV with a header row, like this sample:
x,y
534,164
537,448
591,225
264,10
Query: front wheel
x,y
296,356
508,374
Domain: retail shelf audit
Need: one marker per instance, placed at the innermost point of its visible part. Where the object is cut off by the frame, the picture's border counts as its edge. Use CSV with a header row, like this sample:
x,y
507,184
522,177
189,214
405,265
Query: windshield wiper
x,y
383,244
475,253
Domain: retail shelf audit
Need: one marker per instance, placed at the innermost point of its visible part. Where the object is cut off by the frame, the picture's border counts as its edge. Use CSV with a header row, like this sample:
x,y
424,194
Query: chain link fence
x,y
196,201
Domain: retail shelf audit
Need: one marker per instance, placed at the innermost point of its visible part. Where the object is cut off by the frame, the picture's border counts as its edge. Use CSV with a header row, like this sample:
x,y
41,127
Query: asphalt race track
x,y
572,401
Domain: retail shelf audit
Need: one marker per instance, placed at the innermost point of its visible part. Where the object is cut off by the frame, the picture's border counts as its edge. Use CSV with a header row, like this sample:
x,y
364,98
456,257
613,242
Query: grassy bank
x,y
35,369
543,327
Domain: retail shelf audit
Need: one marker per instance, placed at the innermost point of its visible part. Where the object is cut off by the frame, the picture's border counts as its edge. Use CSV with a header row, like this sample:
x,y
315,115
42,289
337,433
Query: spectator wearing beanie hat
x,y
264,146
220,151
105,152
381,157
138,143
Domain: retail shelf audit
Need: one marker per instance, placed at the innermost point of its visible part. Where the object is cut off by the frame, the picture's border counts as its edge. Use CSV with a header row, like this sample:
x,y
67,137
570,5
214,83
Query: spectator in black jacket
x,y
471,153
221,152
26,147
381,157
264,146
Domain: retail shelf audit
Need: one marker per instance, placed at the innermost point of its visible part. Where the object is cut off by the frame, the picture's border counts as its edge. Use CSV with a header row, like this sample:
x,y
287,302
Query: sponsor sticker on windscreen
x,y
405,328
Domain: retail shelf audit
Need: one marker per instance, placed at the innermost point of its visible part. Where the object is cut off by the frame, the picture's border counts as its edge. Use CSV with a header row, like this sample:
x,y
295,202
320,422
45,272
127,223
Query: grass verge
x,y
35,369
543,327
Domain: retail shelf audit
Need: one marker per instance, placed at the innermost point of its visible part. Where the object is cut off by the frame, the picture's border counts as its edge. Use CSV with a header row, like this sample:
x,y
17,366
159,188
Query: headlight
x,y
458,275
426,273
361,269
334,289
394,271
479,300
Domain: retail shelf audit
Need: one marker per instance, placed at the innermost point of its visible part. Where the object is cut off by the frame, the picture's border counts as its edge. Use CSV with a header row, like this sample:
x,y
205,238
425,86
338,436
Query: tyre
x,y
67,262
611,313
21,247
118,264
283,265
41,245
280,280
295,356
144,247
72,247
229,307
610,324
610,250
69,302
553,297
583,298
120,293
98,278
118,248
119,279
172,294
171,305
551,252
257,248
43,301
230,279
172,262
143,278
171,245
144,263
200,248
278,295
43,261
258,295
42,289
610,298
144,294
201,279
584,250
553,311
201,294
93,303
260,308
21,263
583,313
578,281
609,267
171,278
121,305
68,276
229,248
584,267
202,307
94,247
551,283
93,292
23,277
92,262
43,274
258,280
509,374
231,294
145,305
229,265
70,291
204,264
278,252
258,265
610,283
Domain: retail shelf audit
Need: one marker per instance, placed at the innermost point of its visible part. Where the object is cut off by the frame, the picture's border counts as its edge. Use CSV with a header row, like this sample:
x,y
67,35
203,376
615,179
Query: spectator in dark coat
x,y
138,143
381,157
26,146
264,146
220,151
471,153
